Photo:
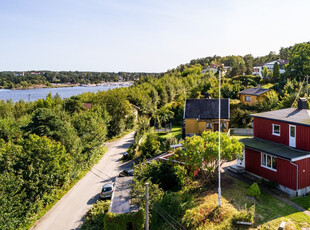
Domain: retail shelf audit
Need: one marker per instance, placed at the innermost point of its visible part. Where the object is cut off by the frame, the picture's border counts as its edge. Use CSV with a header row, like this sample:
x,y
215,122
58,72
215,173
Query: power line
x,y
158,212
160,208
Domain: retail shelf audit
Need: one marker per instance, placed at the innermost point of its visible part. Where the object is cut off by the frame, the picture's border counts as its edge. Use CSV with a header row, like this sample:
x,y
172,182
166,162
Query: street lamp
x,y
219,188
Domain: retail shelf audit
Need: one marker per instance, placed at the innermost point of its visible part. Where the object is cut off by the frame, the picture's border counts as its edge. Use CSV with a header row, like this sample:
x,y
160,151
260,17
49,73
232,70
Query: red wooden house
x,y
280,149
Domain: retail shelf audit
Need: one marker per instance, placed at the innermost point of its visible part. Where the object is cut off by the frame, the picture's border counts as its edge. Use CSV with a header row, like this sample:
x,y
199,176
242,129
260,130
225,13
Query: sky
x,y
143,35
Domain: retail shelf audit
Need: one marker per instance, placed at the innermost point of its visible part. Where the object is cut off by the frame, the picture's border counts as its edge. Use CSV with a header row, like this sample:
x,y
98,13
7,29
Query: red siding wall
x,y
304,173
285,174
263,130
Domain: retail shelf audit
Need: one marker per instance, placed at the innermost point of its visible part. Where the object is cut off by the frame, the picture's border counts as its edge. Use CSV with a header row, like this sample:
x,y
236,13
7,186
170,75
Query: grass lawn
x,y
303,201
240,137
269,211
175,132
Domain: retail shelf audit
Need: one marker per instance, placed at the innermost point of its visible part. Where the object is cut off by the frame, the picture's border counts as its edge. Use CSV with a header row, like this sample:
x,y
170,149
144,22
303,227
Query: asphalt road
x,y
69,212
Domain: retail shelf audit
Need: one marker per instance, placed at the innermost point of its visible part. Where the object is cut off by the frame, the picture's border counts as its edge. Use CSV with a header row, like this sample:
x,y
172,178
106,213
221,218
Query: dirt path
x,y
69,211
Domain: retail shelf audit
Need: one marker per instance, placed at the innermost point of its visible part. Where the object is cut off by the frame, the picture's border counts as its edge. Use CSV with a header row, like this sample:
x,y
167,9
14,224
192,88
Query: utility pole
x,y
307,87
146,206
219,189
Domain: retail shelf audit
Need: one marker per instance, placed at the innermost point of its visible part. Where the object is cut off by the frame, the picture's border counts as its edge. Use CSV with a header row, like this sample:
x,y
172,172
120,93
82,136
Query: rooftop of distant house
x,y
87,105
282,62
254,91
206,109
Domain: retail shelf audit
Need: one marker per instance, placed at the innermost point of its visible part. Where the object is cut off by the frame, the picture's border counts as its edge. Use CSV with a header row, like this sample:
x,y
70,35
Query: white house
x,y
257,70
215,67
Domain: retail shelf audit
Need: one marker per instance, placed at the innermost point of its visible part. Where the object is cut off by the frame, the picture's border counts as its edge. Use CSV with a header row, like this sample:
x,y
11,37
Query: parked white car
x,y
107,191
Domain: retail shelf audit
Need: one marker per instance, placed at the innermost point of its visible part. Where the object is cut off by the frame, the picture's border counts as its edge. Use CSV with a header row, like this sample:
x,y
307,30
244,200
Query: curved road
x,y
69,211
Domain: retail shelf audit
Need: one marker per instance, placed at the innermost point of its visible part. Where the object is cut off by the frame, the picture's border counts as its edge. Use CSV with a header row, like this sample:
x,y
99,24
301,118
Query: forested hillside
x,y
26,79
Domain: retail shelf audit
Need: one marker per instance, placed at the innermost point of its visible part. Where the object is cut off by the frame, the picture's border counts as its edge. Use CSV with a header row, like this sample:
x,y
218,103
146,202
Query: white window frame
x,y
209,123
247,97
276,134
265,165
223,125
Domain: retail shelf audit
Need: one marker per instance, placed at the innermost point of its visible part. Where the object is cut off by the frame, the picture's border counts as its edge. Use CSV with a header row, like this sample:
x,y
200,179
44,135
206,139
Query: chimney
x,y
302,103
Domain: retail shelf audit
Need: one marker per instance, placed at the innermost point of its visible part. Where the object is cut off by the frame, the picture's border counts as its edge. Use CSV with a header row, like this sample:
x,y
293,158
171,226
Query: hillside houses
x,y
257,70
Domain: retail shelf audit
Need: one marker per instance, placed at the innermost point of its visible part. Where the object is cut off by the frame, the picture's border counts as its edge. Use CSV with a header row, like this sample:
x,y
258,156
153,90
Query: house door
x,y
292,136
215,127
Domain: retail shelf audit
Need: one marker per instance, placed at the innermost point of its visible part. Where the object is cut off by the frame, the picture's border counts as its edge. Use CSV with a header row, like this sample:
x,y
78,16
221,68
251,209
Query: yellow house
x,y
202,115
250,96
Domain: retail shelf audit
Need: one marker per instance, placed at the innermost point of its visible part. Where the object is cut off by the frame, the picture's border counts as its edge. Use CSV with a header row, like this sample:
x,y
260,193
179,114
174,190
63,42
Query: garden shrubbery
x,y
254,191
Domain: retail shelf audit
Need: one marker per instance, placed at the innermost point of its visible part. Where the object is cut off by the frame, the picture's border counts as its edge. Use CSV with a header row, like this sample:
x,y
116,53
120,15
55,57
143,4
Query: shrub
x,y
95,216
193,218
150,146
254,190
134,221
244,215
165,143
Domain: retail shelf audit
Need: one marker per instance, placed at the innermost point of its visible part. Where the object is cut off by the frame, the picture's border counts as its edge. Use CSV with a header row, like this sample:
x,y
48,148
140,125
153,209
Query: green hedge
x,y
134,221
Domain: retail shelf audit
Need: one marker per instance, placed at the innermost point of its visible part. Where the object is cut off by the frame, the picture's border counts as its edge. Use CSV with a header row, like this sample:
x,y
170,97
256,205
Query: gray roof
x,y
290,115
206,108
275,149
254,91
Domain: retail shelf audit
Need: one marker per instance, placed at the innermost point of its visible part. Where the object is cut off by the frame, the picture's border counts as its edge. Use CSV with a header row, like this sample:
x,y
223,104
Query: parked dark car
x,y
128,172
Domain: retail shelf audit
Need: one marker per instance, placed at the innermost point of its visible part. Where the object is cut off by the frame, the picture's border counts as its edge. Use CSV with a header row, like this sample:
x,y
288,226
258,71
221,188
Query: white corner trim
x,y
300,158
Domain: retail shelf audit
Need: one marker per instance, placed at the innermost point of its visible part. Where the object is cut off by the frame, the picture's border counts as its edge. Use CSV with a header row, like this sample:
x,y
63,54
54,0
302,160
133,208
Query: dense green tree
x,y
201,152
46,122
118,108
265,73
299,64
150,147
91,129
74,104
45,165
237,66
248,59
276,70
269,102
285,53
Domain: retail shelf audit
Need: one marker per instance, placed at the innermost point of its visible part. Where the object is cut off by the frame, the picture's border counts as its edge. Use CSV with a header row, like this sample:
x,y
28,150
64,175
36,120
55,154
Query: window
x,y
269,161
209,125
247,98
223,126
275,130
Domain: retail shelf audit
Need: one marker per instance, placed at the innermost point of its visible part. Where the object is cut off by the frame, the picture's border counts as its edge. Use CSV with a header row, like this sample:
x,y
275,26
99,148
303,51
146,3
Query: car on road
x,y
107,191
125,156
128,172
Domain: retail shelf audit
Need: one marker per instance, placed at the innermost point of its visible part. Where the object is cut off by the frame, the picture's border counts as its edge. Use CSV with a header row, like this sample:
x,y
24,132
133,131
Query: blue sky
x,y
143,35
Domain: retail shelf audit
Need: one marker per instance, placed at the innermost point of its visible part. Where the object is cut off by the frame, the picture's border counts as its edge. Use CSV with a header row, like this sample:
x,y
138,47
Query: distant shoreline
x,y
56,85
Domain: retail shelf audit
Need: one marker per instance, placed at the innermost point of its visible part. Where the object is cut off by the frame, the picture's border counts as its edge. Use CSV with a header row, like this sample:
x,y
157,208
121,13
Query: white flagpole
x,y
219,189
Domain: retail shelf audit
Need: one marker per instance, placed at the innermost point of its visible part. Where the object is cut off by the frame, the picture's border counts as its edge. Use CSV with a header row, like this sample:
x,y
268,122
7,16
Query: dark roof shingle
x,y
254,91
206,108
